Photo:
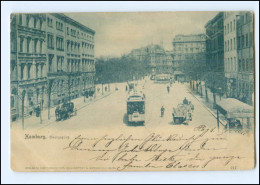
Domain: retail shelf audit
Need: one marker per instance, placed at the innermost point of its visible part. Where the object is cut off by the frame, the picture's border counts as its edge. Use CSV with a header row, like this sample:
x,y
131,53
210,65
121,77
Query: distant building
x,y
52,58
159,60
140,54
230,53
215,77
188,50
245,52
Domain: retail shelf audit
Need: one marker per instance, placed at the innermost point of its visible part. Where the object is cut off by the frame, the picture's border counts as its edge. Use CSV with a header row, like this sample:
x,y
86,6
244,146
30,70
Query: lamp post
x,y
23,96
84,94
49,97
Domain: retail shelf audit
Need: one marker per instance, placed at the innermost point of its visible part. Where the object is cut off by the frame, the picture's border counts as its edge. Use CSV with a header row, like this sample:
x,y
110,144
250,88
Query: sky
x,y
118,33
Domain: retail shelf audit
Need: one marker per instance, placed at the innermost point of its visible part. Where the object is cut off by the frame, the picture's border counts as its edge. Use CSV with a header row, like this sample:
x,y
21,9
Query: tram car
x,y
136,107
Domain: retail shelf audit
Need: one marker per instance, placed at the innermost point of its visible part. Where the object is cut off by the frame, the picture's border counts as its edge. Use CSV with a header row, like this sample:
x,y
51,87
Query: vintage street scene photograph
x,y
132,91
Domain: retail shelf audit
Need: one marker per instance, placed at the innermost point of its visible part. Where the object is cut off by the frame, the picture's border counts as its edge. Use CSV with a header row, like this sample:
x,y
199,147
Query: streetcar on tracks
x,y
136,107
162,78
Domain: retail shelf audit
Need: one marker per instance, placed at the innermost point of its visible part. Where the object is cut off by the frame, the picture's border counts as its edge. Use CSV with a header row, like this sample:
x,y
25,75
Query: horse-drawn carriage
x,y
183,113
65,111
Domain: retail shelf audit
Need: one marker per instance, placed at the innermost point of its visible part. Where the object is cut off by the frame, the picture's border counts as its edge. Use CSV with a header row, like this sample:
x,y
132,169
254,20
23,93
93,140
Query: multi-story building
x,y
140,54
215,54
28,62
159,60
70,56
230,53
188,50
245,53
52,60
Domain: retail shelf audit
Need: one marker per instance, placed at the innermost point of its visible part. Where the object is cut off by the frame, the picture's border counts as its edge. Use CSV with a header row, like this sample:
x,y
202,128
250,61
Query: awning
x,y
233,108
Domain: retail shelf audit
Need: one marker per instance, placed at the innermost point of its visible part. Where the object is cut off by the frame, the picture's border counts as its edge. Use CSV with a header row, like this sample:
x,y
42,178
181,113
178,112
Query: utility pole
x,y
84,82
41,106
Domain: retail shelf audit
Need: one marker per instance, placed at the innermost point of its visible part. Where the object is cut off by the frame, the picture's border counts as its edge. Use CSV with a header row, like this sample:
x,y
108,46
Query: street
x,y
110,111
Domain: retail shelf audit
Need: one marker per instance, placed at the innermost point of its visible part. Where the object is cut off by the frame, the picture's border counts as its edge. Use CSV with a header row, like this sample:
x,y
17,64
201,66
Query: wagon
x,y
182,114
66,111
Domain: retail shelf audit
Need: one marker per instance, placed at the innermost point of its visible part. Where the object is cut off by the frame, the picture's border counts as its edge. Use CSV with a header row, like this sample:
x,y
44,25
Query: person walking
x,y
168,89
57,112
162,111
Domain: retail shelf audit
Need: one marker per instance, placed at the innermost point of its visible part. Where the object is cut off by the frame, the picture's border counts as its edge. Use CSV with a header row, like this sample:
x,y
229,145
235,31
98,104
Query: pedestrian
x,y
168,89
185,101
162,111
57,111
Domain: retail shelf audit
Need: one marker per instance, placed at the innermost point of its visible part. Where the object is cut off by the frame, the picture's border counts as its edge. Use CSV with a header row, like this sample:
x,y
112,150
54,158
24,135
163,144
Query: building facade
x,y
245,53
70,56
52,60
188,51
215,54
159,60
28,62
230,53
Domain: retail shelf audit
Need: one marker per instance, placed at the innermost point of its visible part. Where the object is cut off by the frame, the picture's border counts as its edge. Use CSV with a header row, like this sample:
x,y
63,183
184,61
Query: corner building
x,y
52,60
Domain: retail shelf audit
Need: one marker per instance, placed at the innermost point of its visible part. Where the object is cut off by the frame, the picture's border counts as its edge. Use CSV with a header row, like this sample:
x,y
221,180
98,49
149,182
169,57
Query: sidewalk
x,y
208,105
34,122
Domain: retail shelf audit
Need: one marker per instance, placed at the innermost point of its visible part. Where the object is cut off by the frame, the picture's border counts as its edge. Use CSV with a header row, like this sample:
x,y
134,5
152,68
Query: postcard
x,y
132,91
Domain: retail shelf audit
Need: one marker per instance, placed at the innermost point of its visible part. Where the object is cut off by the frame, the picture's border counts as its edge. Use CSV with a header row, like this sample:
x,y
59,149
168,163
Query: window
x,y
59,26
50,41
242,41
49,22
231,64
247,42
41,42
234,43
12,101
27,20
50,64
20,19
35,45
41,71
230,44
28,44
225,32
251,39
68,31
239,65
59,43
22,70
238,42
230,26
35,22
21,44
29,71
234,24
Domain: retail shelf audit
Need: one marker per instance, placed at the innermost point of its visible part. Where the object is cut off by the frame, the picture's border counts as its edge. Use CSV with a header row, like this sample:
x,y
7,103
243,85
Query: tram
x,y
162,78
136,107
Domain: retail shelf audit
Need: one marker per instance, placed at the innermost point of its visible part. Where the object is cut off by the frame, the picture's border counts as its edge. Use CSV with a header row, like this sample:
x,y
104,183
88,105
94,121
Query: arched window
x,y
28,71
35,22
27,20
